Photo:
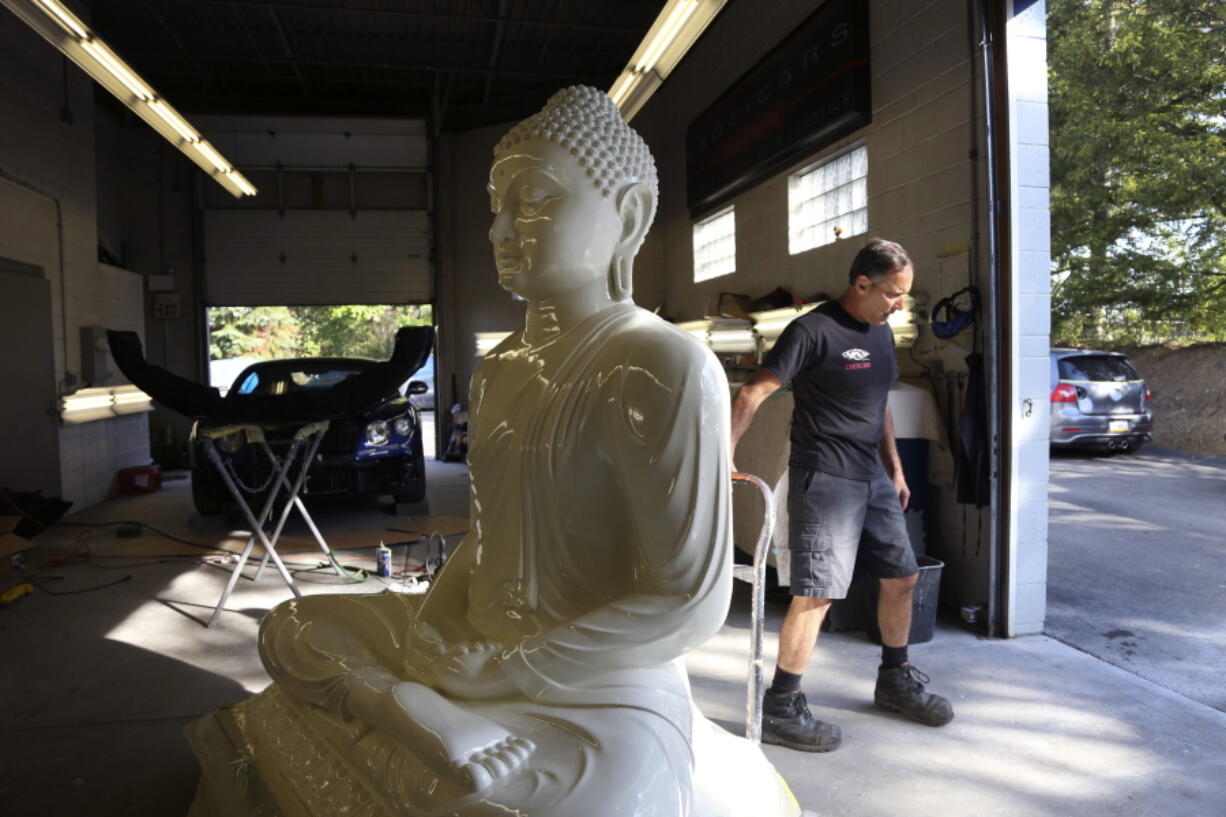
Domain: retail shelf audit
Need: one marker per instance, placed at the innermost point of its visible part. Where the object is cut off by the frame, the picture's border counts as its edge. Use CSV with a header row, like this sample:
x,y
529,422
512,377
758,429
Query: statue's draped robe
x,y
599,552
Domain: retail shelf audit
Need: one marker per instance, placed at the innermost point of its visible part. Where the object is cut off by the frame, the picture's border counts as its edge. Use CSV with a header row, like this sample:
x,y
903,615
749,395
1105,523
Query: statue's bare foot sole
x,y
475,752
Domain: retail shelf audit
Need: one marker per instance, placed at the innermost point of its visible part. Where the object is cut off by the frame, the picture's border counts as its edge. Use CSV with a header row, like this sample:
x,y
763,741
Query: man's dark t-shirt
x,y
841,371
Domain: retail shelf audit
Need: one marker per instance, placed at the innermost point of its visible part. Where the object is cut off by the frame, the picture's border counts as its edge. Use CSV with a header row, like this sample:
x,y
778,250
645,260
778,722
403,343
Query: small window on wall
x,y
715,246
829,201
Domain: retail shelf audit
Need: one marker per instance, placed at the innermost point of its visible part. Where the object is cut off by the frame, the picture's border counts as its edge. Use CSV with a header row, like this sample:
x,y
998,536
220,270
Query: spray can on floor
x,y
383,560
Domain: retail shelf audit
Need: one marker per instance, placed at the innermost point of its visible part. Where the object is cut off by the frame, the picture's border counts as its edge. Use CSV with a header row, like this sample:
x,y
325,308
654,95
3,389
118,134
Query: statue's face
x,y
553,230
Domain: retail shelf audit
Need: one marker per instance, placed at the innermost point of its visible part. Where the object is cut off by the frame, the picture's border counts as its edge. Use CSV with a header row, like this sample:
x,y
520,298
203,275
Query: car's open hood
x,y
353,395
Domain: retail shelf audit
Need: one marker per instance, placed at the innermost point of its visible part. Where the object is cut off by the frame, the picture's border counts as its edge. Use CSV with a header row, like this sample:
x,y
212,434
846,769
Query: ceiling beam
x,y
558,76
498,32
204,79
349,8
289,49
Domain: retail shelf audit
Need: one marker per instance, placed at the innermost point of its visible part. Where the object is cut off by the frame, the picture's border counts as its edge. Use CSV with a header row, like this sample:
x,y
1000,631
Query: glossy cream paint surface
x,y
541,675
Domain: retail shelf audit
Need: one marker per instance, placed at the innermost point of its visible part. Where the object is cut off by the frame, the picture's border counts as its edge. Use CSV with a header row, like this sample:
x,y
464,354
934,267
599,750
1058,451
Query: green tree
x,y
347,330
264,332
356,330
1138,198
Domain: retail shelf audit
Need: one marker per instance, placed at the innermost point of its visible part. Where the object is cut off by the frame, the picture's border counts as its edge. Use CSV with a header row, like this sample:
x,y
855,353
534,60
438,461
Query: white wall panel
x,y
48,219
1030,306
314,141
257,258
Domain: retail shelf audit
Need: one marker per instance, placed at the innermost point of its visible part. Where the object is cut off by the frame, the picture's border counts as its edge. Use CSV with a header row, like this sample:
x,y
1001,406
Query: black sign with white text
x,y
810,90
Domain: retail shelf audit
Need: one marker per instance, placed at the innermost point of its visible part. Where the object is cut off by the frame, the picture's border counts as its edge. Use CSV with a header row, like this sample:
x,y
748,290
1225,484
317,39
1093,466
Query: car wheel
x,y
414,493
210,497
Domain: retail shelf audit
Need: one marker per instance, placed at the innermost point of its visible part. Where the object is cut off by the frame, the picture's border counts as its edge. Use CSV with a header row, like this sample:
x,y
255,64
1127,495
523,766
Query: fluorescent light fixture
x,y
699,329
486,341
242,183
213,156
67,20
622,87
118,69
676,28
102,403
172,118
662,36
64,30
130,400
770,323
733,341
902,324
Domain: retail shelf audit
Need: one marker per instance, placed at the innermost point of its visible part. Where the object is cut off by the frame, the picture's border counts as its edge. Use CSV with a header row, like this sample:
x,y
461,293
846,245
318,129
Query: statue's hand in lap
x,y
473,751
473,671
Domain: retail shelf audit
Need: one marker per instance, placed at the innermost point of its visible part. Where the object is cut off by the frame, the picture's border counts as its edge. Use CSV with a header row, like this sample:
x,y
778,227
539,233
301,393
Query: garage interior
x,y
366,128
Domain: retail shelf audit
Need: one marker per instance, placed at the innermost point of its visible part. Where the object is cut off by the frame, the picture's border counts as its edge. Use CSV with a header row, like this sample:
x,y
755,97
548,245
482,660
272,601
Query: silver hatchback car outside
x,y
1098,401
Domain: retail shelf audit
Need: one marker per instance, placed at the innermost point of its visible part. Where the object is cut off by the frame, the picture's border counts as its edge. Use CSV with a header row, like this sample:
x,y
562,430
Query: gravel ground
x,y
1189,387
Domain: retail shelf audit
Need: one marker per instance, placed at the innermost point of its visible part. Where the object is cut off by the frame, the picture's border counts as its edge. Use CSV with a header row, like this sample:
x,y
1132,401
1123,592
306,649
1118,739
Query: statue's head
x,y
573,190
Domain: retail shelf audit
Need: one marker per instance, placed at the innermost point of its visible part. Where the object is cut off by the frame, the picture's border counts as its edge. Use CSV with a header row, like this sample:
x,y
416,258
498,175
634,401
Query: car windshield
x,y
295,378
1097,369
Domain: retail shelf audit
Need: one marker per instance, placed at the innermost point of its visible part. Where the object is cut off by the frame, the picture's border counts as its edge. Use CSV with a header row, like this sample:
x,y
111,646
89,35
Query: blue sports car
x,y
376,452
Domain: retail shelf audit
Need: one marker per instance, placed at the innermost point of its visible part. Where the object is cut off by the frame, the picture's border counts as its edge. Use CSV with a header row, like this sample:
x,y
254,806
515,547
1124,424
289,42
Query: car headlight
x,y
377,433
403,427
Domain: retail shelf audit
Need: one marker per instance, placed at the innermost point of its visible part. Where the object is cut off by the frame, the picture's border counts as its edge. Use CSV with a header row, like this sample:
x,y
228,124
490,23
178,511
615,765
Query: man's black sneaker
x,y
786,721
901,689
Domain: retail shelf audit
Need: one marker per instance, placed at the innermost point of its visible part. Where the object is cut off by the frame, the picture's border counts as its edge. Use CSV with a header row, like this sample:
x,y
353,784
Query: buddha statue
x,y
542,673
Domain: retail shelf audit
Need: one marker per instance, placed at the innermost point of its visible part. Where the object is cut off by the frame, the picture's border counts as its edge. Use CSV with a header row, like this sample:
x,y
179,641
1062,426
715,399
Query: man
x,y
846,491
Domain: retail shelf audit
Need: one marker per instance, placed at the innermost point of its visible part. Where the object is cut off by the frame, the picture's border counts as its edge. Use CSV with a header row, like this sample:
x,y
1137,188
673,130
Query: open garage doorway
x,y
239,336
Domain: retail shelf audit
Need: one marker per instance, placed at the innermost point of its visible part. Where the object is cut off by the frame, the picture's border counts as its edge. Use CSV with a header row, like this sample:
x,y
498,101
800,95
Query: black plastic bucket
x,y
923,603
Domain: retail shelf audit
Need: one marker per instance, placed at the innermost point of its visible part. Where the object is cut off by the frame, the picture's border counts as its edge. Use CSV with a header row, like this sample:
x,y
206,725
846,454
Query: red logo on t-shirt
x,y
859,360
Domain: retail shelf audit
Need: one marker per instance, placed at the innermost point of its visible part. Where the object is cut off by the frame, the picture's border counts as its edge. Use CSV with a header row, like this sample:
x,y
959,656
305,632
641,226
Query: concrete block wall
x,y
146,194
920,191
918,143
47,159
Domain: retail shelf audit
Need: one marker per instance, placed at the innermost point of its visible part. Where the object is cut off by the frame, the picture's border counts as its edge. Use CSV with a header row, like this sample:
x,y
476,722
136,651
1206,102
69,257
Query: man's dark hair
x,y
878,259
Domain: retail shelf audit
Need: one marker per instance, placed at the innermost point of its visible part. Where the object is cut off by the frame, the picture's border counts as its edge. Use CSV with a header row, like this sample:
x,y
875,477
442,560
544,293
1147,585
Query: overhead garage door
x,y
304,257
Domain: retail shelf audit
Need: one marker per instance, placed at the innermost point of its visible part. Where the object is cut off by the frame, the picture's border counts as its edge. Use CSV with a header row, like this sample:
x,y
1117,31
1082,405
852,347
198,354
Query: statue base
x,y
262,758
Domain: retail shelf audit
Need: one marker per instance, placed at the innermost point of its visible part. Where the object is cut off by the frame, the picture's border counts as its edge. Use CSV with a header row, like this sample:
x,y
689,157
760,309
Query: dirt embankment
x,y
1189,388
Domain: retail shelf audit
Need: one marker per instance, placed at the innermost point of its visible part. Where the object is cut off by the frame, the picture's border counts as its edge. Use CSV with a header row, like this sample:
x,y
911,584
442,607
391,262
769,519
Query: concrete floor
x,y
96,688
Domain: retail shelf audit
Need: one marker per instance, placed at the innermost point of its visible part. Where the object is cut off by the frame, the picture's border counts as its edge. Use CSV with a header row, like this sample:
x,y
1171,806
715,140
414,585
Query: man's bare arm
x,y
745,404
893,463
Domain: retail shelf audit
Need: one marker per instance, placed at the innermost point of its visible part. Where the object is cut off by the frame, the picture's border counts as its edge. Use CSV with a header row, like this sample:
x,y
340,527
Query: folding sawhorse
x,y
306,440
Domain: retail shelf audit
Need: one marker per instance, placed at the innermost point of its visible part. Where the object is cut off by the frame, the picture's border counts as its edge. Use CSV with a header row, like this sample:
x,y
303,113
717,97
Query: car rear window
x,y
1097,369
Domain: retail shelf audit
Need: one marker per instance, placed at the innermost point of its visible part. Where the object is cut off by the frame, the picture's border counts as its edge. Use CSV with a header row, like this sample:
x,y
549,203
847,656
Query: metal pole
x,y
753,702
987,49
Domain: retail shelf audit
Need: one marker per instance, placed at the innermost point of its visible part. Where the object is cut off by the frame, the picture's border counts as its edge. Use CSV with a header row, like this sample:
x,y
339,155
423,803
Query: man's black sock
x,y
784,681
893,656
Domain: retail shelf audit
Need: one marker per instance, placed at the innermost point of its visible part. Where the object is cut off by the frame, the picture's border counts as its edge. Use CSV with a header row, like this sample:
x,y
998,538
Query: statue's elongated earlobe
x,y
621,277
636,205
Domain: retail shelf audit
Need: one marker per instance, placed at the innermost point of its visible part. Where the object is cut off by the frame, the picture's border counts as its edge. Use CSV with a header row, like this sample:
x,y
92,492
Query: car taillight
x,y
1064,393
1148,394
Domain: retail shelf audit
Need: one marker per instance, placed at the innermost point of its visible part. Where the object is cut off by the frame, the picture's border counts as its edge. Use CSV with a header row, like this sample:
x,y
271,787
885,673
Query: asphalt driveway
x,y
1137,565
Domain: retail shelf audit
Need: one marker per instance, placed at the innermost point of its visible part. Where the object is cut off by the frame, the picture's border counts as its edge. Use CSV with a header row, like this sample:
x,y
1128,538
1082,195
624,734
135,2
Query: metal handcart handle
x,y
755,575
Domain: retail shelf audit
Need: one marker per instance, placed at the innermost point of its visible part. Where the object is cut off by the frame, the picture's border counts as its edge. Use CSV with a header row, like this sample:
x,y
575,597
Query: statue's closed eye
x,y
533,198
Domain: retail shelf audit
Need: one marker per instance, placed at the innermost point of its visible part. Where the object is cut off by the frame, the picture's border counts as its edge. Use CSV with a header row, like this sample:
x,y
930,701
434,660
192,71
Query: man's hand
x,y
900,485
